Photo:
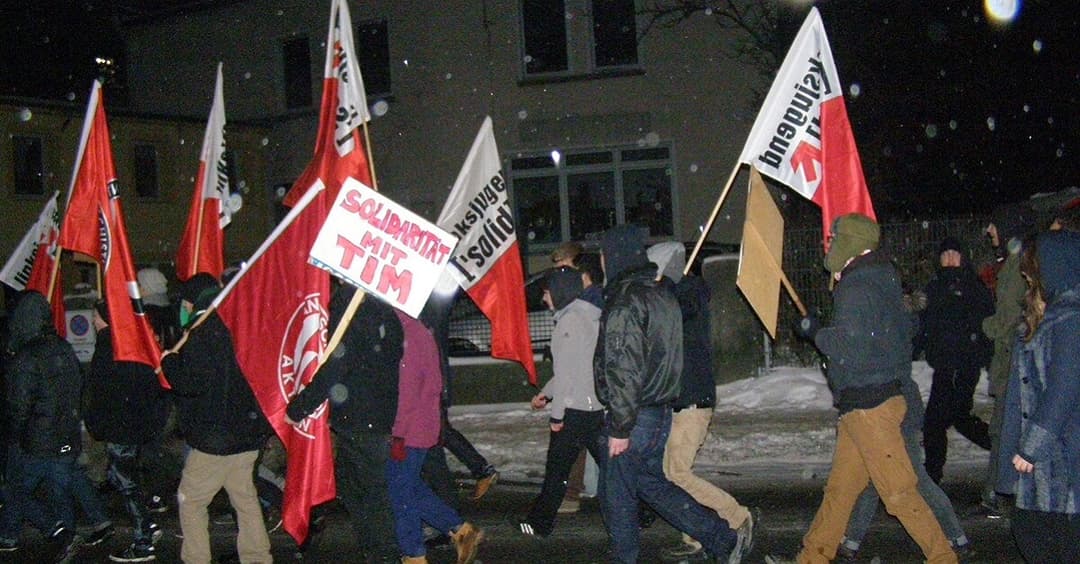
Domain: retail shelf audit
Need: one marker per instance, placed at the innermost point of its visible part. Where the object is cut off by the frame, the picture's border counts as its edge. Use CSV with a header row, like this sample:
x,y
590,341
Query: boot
x,y
414,559
467,540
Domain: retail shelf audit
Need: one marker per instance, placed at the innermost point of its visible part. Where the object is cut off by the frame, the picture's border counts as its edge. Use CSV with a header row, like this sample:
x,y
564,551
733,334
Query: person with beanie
x,y
956,348
637,370
576,414
1040,437
223,425
868,346
692,411
126,408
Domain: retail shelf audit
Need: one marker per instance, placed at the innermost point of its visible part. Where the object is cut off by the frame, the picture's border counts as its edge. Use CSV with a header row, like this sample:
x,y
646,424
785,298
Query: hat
x,y
154,287
194,287
852,234
566,251
669,258
952,244
624,248
564,284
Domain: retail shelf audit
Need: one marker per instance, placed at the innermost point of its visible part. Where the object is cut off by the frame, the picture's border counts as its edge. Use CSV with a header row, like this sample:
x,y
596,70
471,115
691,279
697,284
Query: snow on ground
x,y
781,422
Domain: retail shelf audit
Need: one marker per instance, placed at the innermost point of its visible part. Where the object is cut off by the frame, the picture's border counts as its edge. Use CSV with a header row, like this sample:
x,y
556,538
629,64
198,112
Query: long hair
x,y
1034,304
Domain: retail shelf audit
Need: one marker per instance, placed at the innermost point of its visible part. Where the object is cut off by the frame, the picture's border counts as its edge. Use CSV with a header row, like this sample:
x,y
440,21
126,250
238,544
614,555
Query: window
x,y
146,171
297,58
29,166
591,190
373,54
556,41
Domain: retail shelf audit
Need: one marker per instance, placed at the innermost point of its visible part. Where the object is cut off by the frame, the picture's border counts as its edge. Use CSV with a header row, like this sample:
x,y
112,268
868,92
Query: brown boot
x,y
484,484
467,540
414,559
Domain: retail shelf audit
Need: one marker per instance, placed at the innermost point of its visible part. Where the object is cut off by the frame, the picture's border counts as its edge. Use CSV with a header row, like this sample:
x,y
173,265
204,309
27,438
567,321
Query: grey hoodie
x,y
573,342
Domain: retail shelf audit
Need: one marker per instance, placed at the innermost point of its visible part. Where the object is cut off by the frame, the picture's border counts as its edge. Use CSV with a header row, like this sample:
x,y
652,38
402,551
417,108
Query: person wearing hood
x,y
1040,437
637,369
868,346
956,348
576,414
223,425
44,437
693,409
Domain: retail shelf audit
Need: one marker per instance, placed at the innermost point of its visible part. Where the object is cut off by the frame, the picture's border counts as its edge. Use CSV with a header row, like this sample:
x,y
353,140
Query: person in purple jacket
x,y
416,429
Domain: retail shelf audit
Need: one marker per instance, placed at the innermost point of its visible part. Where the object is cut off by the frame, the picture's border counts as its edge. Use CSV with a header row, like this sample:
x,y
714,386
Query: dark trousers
x,y
463,450
1046,538
415,503
951,399
122,475
436,474
360,469
24,475
581,430
639,473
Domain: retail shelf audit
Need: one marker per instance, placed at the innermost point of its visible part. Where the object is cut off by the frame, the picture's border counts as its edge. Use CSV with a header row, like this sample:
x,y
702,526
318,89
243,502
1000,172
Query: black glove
x,y
807,327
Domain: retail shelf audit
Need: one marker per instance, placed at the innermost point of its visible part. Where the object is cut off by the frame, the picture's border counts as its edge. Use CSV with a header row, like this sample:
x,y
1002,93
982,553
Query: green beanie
x,y
851,235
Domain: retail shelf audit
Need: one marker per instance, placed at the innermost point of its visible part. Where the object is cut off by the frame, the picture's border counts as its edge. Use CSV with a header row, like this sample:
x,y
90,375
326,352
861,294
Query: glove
x,y
397,449
807,327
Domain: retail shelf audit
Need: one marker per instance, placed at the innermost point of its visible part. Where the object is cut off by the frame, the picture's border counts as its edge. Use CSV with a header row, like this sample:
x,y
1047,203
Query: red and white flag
x,y
94,226
339,147
30,267
487,260
202,245
802,136
276,310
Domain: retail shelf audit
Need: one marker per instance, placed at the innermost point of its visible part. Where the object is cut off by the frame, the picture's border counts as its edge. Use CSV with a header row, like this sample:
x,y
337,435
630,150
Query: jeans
x,y
437,475
360,469
414,503
950,403
123,467
866,506
463,450
24,474
1046,538
581,429
639,473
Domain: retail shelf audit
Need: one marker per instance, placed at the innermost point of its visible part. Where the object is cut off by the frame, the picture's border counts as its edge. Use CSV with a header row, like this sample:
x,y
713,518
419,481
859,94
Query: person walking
x,y
1040,437
956,348
637,369
868,346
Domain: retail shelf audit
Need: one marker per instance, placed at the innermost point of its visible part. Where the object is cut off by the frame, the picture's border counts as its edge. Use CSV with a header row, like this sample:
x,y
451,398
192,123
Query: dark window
x,y
588,158
297,54
591,199
538,209
647,196
146,171
544,24
614,33
373,54
526,163
29,166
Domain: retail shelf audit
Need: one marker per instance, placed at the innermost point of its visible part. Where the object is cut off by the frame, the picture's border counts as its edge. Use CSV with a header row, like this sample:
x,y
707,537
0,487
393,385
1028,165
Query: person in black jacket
x,y
126,408
637,368
44,437
360,378
223,426
956,348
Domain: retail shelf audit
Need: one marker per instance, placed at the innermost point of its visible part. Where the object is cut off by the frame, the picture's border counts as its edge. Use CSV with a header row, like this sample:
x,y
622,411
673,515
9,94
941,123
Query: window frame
x,y
580,48
18,170
138,182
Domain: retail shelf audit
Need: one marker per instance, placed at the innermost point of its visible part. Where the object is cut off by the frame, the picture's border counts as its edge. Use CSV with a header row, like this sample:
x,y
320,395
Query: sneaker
x,y
156,504
527,528
273,520
467,542
846,554
744,539
484,484
683,552
155,532
9,545
134,554
67,545
100,534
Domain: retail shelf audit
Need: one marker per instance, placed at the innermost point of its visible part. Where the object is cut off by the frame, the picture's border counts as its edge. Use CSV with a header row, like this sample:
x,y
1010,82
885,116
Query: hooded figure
x,y
669,258
852,235
623,250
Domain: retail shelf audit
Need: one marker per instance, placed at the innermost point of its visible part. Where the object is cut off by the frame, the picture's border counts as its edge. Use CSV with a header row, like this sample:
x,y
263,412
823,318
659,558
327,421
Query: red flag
x,y
202,245
339,147
94,225
30,267
276,309
802,136
487,261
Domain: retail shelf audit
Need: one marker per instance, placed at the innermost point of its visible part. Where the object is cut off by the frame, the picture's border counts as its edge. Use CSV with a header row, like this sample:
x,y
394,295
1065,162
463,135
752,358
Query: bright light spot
x,y
449,76
693,167
1027,108
952,124
242,184
25,114
522,114
1036,46
931,130
1050,120
855,89
991,123
1060,152
265,141
708,11
70,96
339,393
528,58
1001,11
182,141
380,108
281,12
652,139
406,61
247,75
926,225
280,192
556,157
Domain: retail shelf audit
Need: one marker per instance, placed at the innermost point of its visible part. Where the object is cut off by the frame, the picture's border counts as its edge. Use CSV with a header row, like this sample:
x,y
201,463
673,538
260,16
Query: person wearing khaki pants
x,y
203,476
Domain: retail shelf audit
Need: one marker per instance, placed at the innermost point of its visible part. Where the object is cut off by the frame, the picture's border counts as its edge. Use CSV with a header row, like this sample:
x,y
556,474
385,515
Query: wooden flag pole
x,y
712,219
198,231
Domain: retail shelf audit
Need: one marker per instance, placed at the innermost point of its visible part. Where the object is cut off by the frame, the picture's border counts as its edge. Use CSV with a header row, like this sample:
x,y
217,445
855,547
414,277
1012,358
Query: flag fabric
x,y
30,267
339,146
94,226
487,260
276,310
202,245
802,136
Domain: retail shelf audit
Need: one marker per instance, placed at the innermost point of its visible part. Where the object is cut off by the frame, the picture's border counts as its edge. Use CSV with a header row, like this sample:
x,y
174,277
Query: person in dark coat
x,y
1040,437
126,408
222,423
956,348
360,378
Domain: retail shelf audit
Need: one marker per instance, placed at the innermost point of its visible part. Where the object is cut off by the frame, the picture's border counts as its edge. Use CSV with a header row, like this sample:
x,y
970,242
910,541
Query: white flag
x,y
16,272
